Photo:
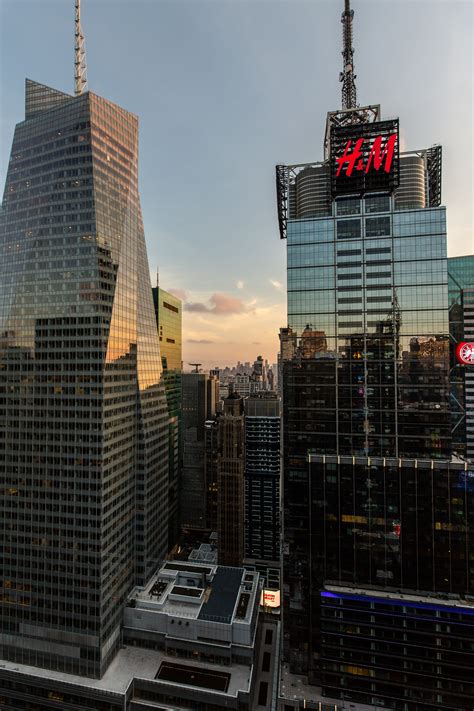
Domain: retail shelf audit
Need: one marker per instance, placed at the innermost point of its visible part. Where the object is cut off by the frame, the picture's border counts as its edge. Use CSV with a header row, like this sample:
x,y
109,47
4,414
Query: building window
x,y
377,203
347,229
377,226
348,206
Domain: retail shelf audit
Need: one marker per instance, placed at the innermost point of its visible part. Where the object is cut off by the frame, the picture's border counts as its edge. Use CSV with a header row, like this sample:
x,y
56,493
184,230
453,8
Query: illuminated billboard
x,y
270,598
465,353
365,157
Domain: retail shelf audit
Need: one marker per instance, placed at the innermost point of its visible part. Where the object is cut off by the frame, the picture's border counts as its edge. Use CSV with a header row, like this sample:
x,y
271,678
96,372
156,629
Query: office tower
x,y
83,425
193,638
262,477
200,394
168,313
461,322
379,510
270,380
230,482
288,342
211,466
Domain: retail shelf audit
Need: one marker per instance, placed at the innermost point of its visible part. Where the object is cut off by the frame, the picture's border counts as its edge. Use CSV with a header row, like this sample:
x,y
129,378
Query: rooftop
x,y
213,593
295,686
220,605
149,664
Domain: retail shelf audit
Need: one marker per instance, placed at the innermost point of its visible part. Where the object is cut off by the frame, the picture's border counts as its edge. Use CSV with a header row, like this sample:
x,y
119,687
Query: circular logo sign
x,y
465,353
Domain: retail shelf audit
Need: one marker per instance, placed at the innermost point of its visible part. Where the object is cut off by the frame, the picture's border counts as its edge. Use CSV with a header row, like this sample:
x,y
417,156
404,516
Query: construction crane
x,y
196,367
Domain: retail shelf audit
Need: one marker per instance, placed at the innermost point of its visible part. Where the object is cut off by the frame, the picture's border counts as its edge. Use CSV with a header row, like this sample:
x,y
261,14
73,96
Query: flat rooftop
x,y
220,605
194,676
216,593
134,662
295,686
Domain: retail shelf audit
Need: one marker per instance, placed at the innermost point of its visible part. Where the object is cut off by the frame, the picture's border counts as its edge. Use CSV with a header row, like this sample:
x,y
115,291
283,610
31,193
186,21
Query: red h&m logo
x,y
465,353
360,161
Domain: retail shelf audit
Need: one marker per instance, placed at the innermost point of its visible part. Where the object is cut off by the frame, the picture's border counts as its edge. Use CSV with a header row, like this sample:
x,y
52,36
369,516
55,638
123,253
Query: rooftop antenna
x,y
80,71
347,76
196,367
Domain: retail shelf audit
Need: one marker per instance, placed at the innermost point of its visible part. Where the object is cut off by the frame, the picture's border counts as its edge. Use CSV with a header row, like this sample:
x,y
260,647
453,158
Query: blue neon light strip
x,y
396,601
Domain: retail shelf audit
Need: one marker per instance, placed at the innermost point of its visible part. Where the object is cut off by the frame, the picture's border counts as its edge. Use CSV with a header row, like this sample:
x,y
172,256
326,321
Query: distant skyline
x,y
225,90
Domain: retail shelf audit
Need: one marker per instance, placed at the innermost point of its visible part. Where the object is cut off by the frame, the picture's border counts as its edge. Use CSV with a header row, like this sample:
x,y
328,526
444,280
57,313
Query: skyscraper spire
x,y
347,76
80,72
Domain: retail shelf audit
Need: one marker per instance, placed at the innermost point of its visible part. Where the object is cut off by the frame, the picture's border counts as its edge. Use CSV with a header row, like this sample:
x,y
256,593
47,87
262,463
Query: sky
x,y
225,90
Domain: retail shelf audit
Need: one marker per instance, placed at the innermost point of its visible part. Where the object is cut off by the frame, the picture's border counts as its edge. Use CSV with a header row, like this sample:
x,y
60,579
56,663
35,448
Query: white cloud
x,y
240,284
276,284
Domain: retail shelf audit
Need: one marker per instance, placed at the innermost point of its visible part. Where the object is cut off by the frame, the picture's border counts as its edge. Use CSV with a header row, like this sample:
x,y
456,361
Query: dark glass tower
x,y
371,498
262,476
83,418
461,323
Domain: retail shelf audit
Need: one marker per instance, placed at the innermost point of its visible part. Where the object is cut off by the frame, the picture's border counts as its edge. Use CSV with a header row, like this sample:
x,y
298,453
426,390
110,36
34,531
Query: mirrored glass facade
x,y
83,418
368,301
461,324
376,287
168,311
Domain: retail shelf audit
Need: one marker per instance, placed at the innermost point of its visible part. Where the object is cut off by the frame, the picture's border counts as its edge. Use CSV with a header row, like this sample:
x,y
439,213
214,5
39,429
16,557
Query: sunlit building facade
x,y
168,311
83,417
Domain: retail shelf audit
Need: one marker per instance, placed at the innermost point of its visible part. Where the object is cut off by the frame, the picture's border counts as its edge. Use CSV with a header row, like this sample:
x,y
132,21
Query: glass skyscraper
x,y
374,506
83,416
461,322
366,399
168,311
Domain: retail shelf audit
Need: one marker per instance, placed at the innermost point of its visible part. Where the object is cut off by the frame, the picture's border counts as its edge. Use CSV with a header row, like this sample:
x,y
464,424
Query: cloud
x,y
276,284
179,293
198,340
219,304
239,284
196,307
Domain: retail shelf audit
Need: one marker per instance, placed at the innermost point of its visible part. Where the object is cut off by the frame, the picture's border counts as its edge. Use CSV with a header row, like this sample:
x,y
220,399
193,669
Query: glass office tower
x,y
168,312
461,322
83,418
370,496
372,281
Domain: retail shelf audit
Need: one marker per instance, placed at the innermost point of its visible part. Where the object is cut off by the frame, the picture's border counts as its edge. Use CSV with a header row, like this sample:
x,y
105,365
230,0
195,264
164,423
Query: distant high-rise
x,y
83,419
200,394
168,312
262,477
230,482
373,505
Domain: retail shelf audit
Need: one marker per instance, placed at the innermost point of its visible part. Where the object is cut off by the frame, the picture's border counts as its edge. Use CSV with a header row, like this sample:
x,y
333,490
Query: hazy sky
x,y
225,89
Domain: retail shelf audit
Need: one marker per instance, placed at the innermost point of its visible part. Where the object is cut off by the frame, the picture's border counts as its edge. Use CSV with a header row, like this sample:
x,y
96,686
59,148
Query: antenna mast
x,y
80,72
347,76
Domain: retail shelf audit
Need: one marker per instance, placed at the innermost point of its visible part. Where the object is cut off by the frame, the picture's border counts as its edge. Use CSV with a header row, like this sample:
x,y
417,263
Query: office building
x,y
83,419
262,477
230,482
168,312
461,322
192,639
211,466
366,399
200,393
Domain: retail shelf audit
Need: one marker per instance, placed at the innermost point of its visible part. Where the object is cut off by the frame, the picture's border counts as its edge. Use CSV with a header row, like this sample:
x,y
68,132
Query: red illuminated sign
x,y
364,157
357,159
465,353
